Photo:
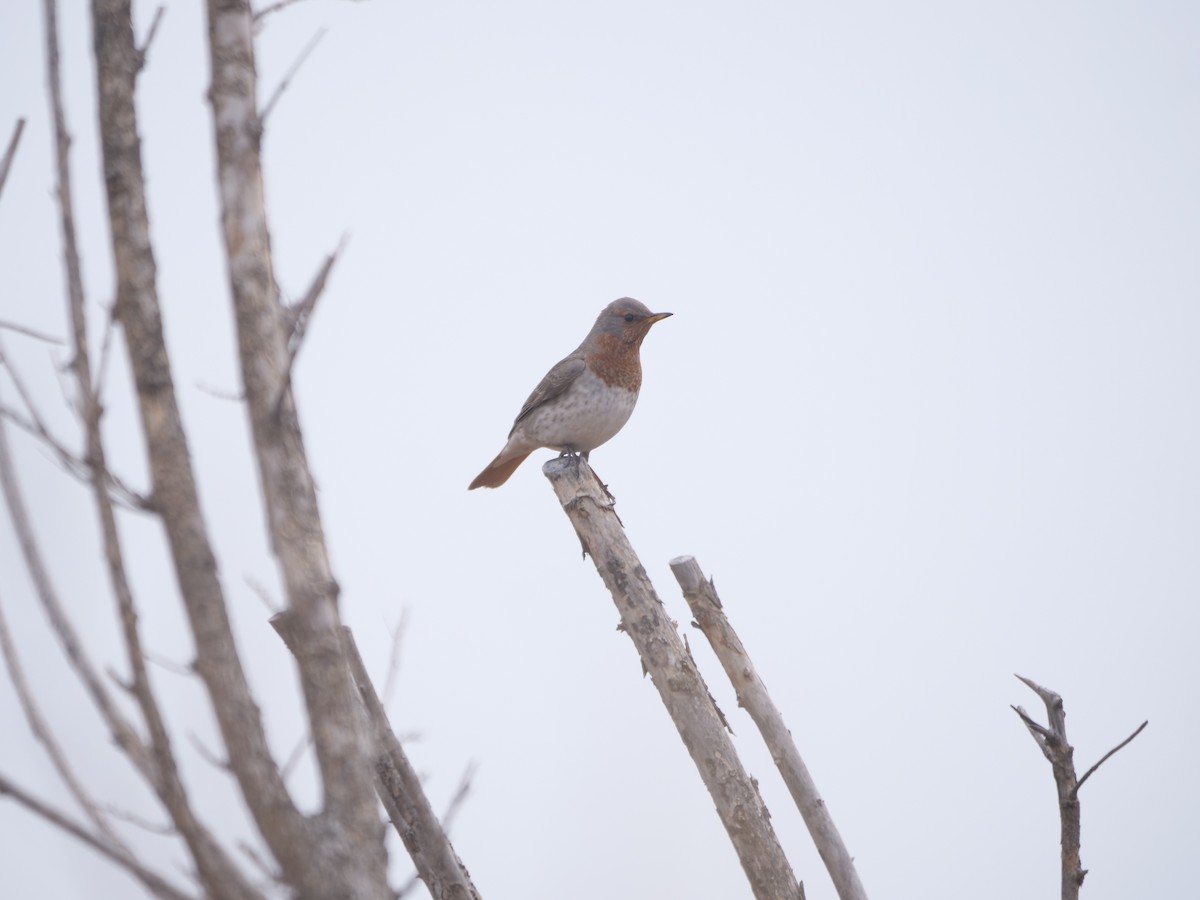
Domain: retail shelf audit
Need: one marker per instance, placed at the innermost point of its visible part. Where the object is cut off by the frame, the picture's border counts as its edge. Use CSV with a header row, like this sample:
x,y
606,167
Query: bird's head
x,y
626,319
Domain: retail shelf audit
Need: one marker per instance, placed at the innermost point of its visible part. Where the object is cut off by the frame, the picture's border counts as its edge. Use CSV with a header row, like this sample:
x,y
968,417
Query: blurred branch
x,y
393,667
150,33
588,505
355,865
396,781
287,78
119,727
175,494
29,332
701,596
78,468
11,152
300,316
41,731
152,881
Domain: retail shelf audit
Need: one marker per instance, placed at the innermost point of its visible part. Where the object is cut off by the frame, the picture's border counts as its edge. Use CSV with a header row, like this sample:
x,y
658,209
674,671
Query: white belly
x,y
582,418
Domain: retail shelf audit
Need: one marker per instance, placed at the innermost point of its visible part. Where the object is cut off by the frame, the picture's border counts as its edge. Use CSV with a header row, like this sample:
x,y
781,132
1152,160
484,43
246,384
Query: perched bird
x,y
586,398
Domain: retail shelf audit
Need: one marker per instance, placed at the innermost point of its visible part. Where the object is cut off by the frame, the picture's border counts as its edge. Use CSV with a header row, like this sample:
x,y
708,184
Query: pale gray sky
x,y
927,410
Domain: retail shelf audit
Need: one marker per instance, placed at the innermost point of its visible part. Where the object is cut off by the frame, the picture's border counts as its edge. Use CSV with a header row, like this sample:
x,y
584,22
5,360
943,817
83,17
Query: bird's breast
x,y
583,417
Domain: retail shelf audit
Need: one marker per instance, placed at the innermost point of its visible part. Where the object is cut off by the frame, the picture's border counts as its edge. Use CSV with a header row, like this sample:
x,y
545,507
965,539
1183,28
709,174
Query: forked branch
x,y
673,671
752,694
1052,741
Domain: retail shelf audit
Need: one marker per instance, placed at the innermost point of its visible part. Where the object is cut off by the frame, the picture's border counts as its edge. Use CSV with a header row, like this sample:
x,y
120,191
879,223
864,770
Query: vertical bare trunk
x,y
349,820
174,495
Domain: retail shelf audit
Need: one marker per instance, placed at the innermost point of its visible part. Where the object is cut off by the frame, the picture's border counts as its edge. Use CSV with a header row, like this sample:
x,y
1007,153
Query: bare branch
x,y
1104,758
287,78
232,396
29,332
302,314
295,756
397,784
206,754
340,741
261,592
459,797
701,596
145,47
155,883
11,152
1052,741
41,730
393,667
272,8
162,830
120,728
680,685
175,492
70,462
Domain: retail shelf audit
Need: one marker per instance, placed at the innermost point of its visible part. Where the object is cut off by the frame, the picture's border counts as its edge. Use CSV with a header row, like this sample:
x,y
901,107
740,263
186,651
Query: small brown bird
x,y
586,398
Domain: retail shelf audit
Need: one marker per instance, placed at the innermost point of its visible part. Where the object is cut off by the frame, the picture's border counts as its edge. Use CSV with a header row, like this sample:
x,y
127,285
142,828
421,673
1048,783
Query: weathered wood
x,y
350,861
396,782
1052,740
673,671
752,694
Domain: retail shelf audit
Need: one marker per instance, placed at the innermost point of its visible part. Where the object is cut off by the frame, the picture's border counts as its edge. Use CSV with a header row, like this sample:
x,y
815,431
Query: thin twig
x,y
29,332
1104,758
163,829
169,665
393,668
302,314
41,730
460,795
154,882
121,729
11,152
263,594
110,326
220,393
70,462
145,47
295,756
273,8
207,755
287,78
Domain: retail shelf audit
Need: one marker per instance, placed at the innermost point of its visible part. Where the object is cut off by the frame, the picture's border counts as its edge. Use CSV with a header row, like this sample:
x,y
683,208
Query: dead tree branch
x,y
752,694
41,730
29,332
397,784
356,865
123,732
175,492
11,152
300,315
287,78
1052,741
153,882
144,49
1105,757
674,673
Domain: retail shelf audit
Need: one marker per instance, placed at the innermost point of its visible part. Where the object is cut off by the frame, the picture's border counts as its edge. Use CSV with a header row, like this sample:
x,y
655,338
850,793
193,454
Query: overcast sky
x,y
926,410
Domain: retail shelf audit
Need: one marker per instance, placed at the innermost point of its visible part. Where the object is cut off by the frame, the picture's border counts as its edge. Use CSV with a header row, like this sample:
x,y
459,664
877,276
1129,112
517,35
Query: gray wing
x,y
557,380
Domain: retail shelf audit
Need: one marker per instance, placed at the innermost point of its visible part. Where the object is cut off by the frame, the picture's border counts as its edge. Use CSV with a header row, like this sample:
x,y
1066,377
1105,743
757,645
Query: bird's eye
x,y
629,317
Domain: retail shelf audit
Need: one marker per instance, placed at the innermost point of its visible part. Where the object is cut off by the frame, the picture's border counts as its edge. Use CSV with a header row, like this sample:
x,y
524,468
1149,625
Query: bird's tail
x,y
498,471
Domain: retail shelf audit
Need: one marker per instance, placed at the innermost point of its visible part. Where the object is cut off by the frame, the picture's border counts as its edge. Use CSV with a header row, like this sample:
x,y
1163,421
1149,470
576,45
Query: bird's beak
x,y
657,317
